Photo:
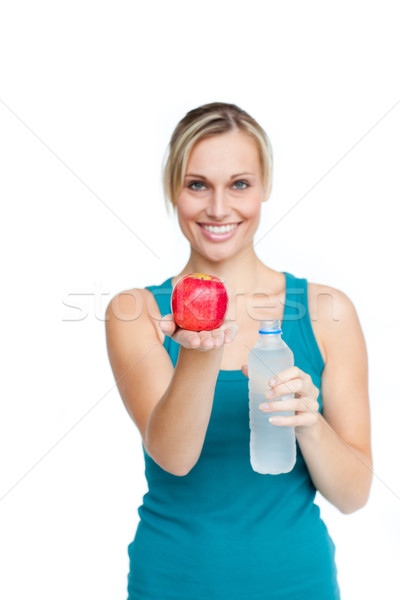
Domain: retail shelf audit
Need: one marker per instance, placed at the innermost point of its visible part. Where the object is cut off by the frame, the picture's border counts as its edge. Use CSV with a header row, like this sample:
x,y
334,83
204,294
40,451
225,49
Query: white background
x,y
89,95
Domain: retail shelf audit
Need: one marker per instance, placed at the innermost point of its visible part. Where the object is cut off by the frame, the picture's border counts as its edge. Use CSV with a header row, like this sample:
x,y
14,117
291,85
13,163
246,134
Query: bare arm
x,y
338,449
171,407
336,445
178,423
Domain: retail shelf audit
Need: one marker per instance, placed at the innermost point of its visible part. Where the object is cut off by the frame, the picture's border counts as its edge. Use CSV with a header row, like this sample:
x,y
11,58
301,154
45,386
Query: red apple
x,y
199,302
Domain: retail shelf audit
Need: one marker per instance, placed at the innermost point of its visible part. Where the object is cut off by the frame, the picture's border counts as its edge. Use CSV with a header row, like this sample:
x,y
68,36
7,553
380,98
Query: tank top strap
x,y
162,294
297,328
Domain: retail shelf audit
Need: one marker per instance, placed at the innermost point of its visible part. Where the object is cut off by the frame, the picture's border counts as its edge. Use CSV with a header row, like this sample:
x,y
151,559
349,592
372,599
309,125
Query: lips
x,y
219,237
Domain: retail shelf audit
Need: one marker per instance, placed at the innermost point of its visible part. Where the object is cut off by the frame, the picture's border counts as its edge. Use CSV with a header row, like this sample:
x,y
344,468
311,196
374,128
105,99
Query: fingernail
x,y
272,381
270,394
274,420
264,406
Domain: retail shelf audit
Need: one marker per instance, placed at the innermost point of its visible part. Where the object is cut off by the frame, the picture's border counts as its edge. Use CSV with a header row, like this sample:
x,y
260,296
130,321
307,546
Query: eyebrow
x,y
202,176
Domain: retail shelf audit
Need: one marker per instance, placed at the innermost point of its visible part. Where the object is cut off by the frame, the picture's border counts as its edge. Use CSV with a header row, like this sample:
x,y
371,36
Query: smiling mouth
x,y
226,228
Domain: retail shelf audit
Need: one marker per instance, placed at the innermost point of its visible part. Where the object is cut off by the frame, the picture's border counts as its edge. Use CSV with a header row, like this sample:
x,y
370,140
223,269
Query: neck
x,y
242,272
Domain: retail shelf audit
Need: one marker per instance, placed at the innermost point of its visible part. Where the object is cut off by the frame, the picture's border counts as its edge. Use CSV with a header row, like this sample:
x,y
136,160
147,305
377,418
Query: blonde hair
x,y
206,121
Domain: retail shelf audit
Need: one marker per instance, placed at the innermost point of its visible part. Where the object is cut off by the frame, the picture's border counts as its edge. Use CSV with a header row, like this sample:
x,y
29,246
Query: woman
x,y
210,527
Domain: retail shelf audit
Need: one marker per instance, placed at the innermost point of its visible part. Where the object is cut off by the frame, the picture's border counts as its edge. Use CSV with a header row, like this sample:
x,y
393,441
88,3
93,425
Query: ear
x,y
267,194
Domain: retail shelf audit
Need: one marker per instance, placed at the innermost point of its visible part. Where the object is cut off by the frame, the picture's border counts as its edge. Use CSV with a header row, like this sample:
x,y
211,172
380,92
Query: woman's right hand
x,y
199,340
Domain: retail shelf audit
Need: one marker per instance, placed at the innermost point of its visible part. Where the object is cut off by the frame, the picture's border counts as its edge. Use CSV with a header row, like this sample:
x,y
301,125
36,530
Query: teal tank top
x,y
223,531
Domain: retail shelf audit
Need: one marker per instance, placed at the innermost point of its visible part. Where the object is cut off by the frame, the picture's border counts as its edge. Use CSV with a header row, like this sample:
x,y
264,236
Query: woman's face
x,y
222,188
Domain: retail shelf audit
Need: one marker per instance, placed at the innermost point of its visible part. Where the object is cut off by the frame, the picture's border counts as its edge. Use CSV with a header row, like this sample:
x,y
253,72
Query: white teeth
x,y
222,229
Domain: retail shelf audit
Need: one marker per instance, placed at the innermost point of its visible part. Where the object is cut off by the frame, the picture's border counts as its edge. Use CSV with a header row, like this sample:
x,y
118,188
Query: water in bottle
x,y
272,447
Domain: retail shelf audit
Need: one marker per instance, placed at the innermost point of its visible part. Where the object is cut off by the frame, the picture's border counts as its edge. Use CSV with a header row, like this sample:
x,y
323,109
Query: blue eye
x,y
194,183
245,183
200,183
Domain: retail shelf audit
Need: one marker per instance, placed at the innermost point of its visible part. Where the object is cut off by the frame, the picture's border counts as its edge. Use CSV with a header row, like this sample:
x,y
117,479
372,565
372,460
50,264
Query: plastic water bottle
x,y
272,447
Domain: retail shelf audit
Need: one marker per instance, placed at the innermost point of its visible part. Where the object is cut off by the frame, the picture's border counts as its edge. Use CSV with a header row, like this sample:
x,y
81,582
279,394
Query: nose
x,y
218,207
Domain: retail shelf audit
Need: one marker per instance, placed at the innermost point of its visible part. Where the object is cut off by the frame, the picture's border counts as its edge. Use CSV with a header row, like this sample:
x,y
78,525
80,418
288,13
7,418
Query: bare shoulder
x,y
139,305
332,313
136,352
329,305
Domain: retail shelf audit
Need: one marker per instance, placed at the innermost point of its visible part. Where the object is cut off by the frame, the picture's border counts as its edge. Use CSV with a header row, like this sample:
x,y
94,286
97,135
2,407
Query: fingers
x,y
303,410
202,340
188,339
304,413
167,324
282,389
295,404
292,380
290,373
206,339
219,338
303,420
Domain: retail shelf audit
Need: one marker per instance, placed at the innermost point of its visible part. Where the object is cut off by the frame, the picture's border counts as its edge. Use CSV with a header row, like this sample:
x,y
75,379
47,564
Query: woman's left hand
x,y
304,404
